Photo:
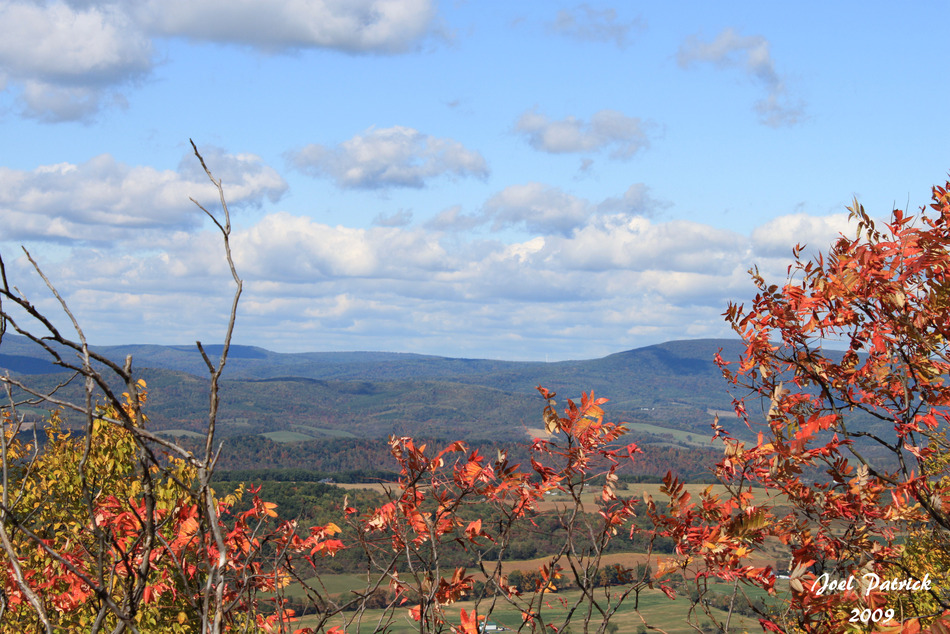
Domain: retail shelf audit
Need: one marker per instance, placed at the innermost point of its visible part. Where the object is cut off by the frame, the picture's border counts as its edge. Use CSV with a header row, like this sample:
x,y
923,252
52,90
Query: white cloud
x,y
778,236
454,219
607,128
70,60
245,176
588,24
389,157
751,54
293,248
382,26
539,208
636,200
547,210
54,104
622,242
103,199
95,44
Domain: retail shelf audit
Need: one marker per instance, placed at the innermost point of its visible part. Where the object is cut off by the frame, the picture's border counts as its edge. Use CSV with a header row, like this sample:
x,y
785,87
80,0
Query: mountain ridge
x,y
674,385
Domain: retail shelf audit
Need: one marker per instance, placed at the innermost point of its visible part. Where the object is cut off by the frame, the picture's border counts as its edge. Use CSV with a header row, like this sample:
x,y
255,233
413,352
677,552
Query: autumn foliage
x,y
842,404
844,382
93,546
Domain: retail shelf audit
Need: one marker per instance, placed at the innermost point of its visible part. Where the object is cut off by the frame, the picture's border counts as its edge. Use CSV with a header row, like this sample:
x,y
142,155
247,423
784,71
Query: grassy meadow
x,y
652,607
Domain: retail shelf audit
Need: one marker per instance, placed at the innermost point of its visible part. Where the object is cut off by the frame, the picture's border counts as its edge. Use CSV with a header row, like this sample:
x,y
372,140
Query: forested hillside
x,y
668,392
256,458
332,412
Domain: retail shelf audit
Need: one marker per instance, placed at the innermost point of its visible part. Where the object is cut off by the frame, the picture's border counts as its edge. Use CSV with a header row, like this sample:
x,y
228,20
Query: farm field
x,y
181,433
634,490
697,438
655,608
700,438
323,431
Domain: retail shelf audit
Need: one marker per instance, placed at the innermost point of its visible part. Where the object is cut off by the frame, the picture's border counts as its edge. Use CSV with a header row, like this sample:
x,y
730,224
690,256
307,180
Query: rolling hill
x,y
665,391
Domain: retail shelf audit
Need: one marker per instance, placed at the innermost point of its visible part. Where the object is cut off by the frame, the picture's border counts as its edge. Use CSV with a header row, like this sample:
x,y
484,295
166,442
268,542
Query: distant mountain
x,y
668,391
22,364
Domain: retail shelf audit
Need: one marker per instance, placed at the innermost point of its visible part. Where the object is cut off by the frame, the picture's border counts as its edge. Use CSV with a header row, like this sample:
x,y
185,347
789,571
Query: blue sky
x,y
528,180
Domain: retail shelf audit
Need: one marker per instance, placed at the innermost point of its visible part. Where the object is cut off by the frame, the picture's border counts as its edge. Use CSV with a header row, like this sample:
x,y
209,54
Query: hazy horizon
x,y
210,346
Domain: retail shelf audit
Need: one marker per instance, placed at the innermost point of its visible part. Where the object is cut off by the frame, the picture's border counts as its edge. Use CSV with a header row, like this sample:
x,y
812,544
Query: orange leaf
x,y
469,622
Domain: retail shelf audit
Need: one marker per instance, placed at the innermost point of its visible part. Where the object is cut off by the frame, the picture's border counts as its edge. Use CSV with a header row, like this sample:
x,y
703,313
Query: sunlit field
x,y
651,607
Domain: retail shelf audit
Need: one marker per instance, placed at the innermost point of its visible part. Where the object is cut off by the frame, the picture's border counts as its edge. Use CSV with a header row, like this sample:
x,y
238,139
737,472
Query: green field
x,y
651,606
699,439
184,433
333,584
590,498
286,436
323,431
300,433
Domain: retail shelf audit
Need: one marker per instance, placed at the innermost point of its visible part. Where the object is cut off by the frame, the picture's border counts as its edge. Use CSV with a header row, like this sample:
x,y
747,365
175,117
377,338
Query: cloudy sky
x,y
518,180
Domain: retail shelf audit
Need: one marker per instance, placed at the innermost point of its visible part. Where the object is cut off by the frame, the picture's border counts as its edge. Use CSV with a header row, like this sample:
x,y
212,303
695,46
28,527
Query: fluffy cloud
x,y
51,103
588,24
292,248
69,60
636,200
454,219
389,157
103,199
751,54
607,128
544,209
623,243
778,236
349,25
539,208
548,210
59,42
